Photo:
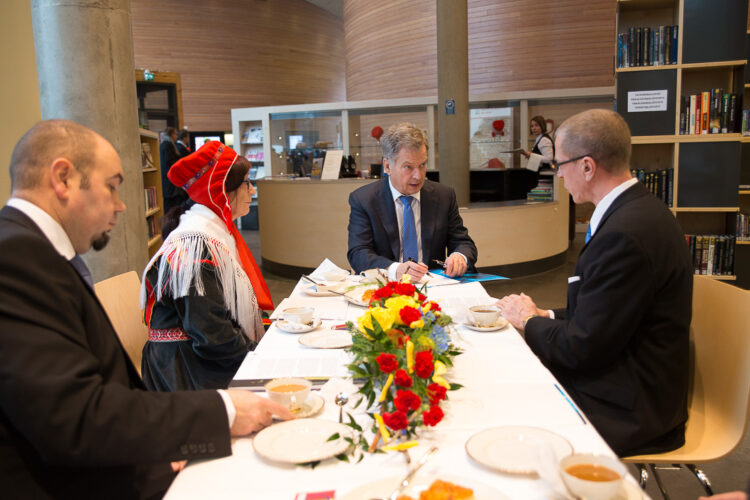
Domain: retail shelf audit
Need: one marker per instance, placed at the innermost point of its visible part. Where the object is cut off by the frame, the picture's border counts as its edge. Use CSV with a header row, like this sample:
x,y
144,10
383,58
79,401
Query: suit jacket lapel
x,y
388,218
428,209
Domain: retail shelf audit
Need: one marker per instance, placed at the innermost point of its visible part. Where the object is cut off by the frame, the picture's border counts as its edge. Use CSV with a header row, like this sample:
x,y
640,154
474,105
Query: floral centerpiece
x,y
402,349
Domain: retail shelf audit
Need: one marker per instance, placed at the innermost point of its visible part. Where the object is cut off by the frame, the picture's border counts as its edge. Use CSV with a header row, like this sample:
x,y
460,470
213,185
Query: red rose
x,y
423,363
396,420
396,336
409,314
436,393
433,416
407,401
387,362
402,379
421,297
382,293
405,289
434,306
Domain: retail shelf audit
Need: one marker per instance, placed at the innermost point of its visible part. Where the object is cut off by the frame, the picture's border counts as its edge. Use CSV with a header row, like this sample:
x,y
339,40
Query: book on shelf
x,y
734,109
151,198
705,111
659,182
714,118
712,254
710,112
647,46
153,229
741,229
147,159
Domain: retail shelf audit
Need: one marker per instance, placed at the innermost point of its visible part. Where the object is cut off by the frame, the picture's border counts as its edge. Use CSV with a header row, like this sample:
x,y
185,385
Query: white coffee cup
x,y
291,392
600,465
335,275
302,315
483,316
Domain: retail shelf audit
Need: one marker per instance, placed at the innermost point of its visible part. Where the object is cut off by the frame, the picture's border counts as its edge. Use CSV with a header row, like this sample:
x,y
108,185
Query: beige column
x,y
84,59
453,96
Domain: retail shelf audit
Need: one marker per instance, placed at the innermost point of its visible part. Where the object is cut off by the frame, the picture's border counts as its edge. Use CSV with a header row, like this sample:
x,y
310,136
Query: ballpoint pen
x,y
427,273
439,262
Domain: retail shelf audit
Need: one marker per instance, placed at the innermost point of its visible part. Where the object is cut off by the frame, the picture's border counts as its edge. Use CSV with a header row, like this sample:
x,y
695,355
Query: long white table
x,y
504,384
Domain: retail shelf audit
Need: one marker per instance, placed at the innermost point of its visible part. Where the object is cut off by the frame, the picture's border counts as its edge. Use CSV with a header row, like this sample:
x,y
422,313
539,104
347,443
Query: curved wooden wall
x,y
241,53
513,46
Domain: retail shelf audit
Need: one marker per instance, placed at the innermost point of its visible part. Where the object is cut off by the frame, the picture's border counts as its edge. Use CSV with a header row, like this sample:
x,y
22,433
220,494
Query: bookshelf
x,y
152,192
692,47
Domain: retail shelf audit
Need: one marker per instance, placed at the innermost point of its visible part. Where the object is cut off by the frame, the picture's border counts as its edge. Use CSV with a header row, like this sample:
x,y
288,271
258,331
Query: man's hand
x,y
254,412
516,308
455,265
414,269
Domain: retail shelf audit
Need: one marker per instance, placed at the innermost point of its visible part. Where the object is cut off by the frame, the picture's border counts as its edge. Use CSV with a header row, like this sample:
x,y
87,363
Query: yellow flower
x,y
385,388
440,369
417,324
384,317
381,426
397,303
405,278
400,446
426,341
410,356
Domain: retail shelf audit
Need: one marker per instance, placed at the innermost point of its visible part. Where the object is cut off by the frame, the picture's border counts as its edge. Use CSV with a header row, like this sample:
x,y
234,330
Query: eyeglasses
x,y
247,183
557,164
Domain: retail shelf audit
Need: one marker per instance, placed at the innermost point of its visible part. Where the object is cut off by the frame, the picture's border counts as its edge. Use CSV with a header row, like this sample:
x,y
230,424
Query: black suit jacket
x,y
621,346
373,228
75,418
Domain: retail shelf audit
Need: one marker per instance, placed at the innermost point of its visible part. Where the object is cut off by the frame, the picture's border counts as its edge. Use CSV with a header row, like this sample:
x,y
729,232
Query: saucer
x,y
289,327
499,325
302,440
311,407
312,290
326,339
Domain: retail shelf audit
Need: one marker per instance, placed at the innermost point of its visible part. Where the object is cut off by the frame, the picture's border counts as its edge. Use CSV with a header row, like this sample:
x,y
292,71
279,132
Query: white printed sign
x,y
647,100
332,164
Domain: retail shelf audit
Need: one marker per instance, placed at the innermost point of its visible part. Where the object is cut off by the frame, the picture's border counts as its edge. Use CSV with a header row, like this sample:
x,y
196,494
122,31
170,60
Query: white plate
x,y
499,325
312,290
301,441
311,407
382,487
327,339
355,296
289,327
514,449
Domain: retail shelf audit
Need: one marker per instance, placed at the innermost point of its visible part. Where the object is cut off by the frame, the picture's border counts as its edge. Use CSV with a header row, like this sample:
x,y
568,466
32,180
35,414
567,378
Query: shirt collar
x,y
604,204
51,229
396,194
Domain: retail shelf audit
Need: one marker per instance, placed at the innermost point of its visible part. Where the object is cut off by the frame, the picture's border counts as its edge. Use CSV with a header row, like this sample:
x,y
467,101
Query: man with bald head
x,y
620,347
75,418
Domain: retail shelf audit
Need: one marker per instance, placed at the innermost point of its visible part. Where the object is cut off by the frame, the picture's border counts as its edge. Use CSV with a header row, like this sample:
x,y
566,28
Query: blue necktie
x,y
409,231
83,270
588,234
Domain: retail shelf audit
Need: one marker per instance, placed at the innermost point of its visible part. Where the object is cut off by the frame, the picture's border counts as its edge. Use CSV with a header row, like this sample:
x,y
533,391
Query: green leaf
x,y
334,437
455,387
353,424
343,457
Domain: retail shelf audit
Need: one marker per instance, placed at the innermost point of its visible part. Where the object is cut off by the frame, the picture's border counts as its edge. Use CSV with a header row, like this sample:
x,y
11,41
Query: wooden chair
x,y
120,297
719,398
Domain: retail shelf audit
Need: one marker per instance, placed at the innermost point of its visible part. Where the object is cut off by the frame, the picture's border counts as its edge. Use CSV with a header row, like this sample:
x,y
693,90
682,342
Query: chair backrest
x,y
120,297
719,405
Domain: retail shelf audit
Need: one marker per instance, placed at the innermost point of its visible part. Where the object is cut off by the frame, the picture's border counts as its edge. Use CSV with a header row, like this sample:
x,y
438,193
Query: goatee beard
x,y
100,242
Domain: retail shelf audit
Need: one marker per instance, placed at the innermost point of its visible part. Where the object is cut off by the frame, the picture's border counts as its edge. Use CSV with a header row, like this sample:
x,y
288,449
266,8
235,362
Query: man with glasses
x,y
621,346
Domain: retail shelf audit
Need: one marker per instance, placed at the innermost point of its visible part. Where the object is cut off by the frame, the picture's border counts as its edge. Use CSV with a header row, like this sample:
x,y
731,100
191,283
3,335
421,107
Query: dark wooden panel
x,y
648,122
241,53
714,31
391,46
708,174
745,167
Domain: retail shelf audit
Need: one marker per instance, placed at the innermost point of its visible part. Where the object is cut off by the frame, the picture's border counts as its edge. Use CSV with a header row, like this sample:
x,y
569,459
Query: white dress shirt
x,y
604,203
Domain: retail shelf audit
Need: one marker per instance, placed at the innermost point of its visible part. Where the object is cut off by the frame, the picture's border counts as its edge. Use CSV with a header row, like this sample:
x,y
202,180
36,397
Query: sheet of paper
x,y
299,363
332,164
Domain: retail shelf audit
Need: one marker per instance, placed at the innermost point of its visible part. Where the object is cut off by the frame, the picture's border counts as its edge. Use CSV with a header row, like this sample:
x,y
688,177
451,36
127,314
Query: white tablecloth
x,y
504,384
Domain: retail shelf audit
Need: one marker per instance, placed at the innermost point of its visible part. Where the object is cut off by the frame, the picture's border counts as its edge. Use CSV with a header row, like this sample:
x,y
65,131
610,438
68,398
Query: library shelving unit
x,y
710,54
153,198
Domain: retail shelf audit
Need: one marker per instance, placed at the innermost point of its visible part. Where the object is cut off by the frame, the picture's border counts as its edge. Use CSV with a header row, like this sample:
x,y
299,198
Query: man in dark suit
x,y
75,418
405,222
621,346
183,143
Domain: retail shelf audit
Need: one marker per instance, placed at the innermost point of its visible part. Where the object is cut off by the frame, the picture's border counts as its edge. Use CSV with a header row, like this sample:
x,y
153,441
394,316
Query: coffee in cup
x,y
302,315
484,316
291,392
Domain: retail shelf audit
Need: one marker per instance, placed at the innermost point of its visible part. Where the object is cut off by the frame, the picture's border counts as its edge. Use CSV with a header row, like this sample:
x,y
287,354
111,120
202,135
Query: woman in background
x,y
544,146
202,290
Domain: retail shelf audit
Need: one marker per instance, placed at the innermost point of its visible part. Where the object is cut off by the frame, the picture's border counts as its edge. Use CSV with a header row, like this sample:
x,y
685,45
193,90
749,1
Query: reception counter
x,y
304,221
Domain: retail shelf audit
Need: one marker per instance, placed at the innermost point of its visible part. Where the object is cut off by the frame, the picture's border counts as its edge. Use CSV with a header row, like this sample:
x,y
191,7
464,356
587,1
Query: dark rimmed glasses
x,y
557,164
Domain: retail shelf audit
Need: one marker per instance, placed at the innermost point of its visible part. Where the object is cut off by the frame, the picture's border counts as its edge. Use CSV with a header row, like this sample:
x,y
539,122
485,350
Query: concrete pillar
x,y
453,95
84,58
